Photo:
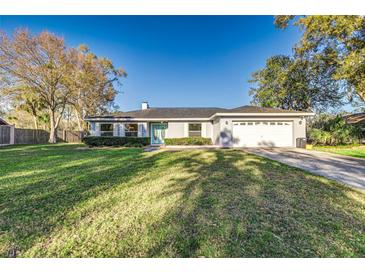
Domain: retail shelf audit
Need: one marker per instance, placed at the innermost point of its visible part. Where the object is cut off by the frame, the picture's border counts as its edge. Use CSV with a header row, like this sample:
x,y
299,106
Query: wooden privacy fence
x,y
10,135
5,135
70,136
31,136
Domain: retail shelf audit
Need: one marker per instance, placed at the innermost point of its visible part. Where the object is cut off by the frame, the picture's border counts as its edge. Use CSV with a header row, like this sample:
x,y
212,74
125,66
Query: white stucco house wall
x,y
246,126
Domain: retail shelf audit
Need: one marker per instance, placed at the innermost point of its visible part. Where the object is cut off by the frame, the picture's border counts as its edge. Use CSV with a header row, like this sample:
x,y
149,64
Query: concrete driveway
x,y
344,169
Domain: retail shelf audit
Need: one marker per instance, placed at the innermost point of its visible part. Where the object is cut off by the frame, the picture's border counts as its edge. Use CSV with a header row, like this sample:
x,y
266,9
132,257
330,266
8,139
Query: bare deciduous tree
x,y
42,74
93,83
40,63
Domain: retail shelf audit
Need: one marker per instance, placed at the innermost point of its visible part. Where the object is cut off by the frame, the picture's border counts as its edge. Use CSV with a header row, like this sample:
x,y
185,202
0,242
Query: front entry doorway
x,y
158,133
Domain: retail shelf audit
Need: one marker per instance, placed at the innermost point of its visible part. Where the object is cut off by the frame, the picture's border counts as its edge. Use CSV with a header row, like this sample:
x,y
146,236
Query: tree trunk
x,y
53,127
52,131
362,95
35,122
78,120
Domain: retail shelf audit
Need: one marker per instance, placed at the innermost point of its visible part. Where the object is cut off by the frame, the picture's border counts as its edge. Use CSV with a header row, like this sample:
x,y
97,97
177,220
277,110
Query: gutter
x,y
261,114
202,119
146,119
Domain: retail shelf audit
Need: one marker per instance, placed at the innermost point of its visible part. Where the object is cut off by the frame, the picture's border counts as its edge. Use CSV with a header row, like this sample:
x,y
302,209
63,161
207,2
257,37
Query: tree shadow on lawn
x,y
246,206
41,190
229,204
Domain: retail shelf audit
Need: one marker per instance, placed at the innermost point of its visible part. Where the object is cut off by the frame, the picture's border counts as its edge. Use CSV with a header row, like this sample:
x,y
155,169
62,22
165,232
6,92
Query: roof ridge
x,y
183,107
198,112
151,108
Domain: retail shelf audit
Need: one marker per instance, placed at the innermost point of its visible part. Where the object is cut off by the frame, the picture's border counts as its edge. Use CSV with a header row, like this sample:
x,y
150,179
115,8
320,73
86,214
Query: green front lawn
x,y
71,201
353,151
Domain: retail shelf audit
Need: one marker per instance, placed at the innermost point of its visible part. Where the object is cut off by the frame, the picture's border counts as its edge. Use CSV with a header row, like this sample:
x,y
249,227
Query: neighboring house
x,y
357,118
3,122
246,126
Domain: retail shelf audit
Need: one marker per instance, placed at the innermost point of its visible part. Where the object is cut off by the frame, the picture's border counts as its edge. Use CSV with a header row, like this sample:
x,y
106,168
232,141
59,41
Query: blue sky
x,y
174,60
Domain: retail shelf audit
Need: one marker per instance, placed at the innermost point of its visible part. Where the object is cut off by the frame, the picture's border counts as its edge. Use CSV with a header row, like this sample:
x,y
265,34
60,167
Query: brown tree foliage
x,y
42,74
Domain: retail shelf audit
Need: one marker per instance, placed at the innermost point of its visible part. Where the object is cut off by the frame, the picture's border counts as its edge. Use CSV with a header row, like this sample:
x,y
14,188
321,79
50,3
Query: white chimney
x,y
144,105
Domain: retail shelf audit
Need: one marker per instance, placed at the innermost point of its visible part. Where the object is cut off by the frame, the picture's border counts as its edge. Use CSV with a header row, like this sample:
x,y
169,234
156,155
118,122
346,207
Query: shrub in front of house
x,y
188,141
327,130
318,136
116,141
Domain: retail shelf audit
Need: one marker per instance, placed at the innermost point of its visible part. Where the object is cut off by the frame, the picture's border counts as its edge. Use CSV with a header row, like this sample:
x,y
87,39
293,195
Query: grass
x,y
347,150
70,201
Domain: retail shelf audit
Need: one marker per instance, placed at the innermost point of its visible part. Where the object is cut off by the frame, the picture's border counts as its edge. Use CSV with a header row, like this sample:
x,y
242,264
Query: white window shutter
x,y
92,128
121,130
115,129
97,129
142,129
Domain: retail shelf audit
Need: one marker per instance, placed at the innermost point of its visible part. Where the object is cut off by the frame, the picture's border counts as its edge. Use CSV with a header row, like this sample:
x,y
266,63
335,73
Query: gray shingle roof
x,y
3,122
170,113
255,109
189,112
355,118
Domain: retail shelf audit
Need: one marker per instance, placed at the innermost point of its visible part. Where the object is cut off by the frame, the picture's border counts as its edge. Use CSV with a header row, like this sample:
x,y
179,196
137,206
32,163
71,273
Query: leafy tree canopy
x,y
340,40
290,83
42,75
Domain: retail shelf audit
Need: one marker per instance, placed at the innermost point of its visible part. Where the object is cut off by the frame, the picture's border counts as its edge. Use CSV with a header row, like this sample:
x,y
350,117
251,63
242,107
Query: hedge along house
x,y
246,126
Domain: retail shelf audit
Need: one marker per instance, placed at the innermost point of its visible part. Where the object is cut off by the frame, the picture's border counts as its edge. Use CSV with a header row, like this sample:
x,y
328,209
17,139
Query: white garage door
x,y
263,133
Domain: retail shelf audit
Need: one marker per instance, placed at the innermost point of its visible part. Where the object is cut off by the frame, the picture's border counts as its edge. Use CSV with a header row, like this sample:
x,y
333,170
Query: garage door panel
x,y
263,134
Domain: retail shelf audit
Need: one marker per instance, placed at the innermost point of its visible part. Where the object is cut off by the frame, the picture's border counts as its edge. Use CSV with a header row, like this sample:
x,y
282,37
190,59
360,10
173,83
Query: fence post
x,y
64,135
12,135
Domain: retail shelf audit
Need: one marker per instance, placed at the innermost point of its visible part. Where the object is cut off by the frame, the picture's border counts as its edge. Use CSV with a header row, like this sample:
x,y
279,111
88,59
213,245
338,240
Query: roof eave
x,y
4,122
263,114
144,119
221,114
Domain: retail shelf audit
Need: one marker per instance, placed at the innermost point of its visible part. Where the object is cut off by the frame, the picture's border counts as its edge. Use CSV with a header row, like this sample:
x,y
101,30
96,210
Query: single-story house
x,y
3,122
246,126
356,119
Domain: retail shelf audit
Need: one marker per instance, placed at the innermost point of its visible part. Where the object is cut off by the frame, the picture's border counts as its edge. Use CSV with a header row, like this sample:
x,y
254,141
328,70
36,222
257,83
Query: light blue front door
x,y
158,133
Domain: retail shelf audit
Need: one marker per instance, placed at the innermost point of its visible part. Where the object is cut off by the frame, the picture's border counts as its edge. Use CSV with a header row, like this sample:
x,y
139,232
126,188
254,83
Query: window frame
x,y
107,133
195,131
127,132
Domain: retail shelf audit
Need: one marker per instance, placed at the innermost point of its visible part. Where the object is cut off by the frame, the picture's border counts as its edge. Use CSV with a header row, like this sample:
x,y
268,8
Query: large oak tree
x,y
338,39
293,84
94,84
41,64
42,74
